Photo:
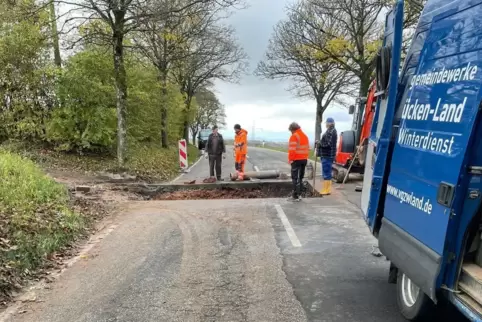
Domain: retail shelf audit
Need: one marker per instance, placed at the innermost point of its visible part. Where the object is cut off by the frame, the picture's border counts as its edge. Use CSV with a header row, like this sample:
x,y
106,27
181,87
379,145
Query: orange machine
x,y
360,132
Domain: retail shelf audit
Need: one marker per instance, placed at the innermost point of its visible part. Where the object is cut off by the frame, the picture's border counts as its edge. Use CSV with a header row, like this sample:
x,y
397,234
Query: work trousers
x,y
239,162
326,168
297,175
215,161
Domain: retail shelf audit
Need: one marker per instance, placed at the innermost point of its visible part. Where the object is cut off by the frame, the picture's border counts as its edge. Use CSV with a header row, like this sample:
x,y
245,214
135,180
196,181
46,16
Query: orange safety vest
x,y
241,142
299,147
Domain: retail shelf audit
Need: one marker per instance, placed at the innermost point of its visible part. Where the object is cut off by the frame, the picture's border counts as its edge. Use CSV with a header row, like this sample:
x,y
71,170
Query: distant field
x,y
282,147
285,149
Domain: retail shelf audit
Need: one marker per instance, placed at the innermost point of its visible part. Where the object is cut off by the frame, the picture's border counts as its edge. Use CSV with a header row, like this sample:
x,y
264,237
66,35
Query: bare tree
x,y
210,112
122,17
290,56
355,38
164,40
215,55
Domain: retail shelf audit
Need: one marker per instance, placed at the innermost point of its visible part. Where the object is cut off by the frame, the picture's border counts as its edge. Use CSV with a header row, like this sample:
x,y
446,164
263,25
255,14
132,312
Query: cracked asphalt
x,y
227,260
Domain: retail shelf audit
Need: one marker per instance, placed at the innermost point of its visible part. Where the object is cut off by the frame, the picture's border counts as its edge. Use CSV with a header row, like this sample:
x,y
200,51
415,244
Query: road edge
x,y
185,171
30,293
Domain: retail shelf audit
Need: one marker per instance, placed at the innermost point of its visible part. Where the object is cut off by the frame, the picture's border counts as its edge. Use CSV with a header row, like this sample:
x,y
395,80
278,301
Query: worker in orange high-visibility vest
x,y
240,149
299,147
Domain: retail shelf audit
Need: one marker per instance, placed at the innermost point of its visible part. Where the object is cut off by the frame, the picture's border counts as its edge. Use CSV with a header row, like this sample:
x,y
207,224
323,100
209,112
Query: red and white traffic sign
x,y
183,154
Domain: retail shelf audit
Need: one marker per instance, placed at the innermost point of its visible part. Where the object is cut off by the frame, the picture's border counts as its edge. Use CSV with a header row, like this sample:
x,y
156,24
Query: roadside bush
x,y
35,218
87,119
91,129
26,74
144,107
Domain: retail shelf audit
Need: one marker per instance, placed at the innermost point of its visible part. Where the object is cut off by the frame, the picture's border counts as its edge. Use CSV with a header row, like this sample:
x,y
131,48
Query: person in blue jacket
x,y
327,153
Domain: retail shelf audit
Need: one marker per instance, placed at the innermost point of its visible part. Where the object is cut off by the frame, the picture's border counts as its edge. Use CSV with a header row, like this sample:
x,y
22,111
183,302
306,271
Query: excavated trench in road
x,y
225,190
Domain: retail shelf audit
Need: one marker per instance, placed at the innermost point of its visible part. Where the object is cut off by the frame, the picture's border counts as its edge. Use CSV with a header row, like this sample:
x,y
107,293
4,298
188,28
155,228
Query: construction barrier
x,y
183,154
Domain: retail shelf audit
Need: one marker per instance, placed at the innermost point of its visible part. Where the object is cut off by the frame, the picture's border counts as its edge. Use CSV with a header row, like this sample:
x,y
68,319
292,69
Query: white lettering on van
x,y
465,73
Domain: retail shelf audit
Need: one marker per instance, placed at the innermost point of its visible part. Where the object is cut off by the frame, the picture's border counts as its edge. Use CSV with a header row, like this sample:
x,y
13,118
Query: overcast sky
x,y
265,104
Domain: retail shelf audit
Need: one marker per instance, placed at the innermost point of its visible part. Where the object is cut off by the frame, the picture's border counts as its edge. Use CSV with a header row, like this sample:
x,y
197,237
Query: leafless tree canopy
x,y
291,56
213,55
354,30
209,112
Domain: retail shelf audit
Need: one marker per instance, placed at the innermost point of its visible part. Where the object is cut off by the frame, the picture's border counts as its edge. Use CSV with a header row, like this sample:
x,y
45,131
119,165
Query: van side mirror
x,y
351,109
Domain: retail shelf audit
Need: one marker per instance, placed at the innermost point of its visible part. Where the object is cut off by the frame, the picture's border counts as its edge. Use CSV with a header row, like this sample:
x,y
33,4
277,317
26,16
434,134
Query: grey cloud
x,y
253,28
300,110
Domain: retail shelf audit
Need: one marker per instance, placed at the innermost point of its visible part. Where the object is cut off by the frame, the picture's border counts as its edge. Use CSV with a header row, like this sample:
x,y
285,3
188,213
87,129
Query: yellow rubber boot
x,y
328,187
323,188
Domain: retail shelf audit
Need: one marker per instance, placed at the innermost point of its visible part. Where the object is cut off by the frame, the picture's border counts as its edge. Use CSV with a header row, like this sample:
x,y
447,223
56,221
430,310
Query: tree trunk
x,y
121,98
55,35
163,77
193,138
186,131
186,118
365,81
164,73
319,119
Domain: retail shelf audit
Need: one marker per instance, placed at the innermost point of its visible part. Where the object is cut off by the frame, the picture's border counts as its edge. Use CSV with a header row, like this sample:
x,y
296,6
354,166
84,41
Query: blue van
x,y
421,194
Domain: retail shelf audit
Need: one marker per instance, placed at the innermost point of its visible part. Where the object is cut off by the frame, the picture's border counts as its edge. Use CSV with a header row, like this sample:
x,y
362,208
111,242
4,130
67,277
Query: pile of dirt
x,y
274,191
224,193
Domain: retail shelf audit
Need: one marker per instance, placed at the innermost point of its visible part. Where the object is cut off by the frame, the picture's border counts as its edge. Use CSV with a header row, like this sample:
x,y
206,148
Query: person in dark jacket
x,y
216,151
327,153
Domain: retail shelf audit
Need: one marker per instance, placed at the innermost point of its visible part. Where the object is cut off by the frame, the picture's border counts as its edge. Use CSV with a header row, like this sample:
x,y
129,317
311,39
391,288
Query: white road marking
x,y
256,168
289,230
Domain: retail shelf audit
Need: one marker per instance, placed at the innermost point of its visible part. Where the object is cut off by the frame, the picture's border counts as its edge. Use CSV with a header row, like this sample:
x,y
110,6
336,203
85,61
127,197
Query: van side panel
x,y
436,124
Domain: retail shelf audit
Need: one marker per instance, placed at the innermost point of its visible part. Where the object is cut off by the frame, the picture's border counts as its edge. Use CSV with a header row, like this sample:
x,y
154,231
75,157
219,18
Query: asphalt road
x,y
227,260
200,170
258,160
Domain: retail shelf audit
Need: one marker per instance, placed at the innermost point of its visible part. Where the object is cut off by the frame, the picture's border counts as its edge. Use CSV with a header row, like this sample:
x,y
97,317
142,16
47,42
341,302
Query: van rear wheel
x,y
412,301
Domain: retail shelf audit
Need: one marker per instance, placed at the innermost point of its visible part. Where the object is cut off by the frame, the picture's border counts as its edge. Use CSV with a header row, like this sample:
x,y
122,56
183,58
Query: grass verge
x,y
35,219
38,219
147,161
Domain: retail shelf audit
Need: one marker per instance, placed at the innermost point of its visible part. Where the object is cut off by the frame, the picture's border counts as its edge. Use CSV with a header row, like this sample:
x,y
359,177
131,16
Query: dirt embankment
x,y
45,218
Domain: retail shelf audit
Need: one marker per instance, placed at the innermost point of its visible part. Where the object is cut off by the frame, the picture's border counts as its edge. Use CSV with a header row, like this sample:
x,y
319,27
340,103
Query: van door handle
x,y
445,194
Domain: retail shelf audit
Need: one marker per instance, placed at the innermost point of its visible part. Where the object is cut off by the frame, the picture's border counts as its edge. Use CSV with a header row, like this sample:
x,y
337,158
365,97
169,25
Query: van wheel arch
x,y
413,303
